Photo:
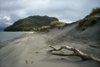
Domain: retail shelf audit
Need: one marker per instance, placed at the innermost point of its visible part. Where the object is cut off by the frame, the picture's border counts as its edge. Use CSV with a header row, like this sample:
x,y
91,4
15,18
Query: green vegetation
x,y
81,24
89,20
31,23
84,23
45,26
92,21
54,23
95,11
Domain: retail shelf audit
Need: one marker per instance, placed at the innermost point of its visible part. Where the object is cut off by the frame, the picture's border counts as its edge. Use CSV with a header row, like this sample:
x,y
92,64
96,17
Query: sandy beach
x,y
31,50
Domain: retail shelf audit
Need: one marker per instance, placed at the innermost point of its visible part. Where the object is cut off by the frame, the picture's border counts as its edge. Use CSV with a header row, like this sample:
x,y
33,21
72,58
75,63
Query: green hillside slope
x,y
30,23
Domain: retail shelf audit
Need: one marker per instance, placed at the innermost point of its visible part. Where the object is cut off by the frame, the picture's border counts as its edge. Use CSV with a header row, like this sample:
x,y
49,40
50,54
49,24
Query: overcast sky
x,y
64,10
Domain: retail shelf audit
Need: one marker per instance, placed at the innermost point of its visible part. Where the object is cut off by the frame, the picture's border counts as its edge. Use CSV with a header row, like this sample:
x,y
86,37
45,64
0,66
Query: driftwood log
x,y
76,52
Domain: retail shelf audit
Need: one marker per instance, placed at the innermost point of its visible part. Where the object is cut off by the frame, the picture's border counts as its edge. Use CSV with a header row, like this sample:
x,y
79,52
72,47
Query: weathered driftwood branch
x,y
76,52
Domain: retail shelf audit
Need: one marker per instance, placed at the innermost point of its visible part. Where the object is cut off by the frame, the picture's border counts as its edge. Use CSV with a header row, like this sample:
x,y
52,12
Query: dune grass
x,y
95,11
89,20
54,23
81,24
45,26
92,21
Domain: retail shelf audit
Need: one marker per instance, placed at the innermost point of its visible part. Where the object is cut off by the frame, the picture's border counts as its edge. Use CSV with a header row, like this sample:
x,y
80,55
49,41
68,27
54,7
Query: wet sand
x,y
31,50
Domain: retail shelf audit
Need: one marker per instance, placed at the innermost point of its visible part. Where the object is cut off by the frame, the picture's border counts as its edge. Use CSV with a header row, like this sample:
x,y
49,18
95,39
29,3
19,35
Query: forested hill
x,y
30,23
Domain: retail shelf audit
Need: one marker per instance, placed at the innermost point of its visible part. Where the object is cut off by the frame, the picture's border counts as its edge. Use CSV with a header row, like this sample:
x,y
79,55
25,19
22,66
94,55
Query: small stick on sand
x,y
32,62
26,61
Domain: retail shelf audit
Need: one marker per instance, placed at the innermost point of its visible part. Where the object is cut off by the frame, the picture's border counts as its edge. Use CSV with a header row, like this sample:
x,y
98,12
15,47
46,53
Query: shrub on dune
x,y
54,23
92,21
44,28
95,11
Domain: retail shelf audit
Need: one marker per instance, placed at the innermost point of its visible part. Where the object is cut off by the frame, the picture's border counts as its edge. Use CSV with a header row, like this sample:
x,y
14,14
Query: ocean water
x,y
4,36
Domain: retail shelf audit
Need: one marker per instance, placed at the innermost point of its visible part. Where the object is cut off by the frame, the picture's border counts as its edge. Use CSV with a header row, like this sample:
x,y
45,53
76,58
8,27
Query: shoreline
x,y
2,44
25,32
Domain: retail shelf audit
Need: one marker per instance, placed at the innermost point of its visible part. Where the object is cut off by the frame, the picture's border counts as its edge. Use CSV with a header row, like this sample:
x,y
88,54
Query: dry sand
x,y
31,50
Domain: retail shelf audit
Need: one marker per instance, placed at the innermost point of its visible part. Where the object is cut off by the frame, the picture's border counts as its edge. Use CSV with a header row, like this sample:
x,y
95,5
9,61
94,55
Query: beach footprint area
x,y
31,50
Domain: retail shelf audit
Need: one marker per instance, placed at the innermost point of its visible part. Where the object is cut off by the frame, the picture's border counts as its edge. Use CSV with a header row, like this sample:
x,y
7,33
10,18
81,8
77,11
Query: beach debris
x,y
32,62
76,52
26,61
36,52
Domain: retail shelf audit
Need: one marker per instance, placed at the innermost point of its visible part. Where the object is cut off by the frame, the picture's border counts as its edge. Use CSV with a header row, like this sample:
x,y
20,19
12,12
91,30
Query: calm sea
x,y
4,36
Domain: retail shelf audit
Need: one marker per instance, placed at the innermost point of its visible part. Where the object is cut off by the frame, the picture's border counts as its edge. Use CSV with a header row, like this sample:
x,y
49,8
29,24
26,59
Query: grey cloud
x,y
10,5
68,10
